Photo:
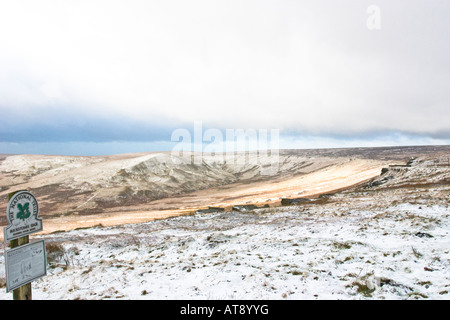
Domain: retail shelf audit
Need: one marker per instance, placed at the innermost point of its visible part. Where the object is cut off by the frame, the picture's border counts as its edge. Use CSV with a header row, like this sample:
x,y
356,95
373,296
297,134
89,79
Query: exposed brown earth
x,y
77,192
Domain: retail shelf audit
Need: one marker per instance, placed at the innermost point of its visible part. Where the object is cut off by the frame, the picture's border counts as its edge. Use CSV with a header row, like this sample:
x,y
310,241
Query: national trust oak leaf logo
x,y
24,211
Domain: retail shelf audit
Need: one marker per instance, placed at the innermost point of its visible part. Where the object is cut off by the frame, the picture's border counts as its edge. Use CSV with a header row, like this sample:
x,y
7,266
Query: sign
x,y
22,214
25,264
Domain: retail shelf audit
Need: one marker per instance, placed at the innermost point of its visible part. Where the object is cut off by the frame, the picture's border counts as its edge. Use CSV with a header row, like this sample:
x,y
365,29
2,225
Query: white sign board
x,y
22,214
25,264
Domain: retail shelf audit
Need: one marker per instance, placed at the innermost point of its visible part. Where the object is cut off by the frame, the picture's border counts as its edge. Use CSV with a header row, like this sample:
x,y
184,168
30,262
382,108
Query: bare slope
x,y
83,191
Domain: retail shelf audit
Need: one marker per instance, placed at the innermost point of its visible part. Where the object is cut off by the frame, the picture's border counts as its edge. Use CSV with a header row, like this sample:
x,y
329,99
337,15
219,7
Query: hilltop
x,y
84,191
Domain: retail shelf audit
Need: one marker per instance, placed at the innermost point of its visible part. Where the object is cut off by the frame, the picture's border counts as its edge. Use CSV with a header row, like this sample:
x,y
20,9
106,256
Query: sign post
x,y
22,214
23,265
24,262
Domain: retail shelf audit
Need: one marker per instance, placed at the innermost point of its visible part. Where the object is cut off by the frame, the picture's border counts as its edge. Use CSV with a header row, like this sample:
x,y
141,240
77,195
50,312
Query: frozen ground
x,y
401,252
389,241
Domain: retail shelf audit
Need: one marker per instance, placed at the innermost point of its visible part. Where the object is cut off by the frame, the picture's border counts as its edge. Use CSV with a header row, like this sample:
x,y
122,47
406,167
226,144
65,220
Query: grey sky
x,y
304,67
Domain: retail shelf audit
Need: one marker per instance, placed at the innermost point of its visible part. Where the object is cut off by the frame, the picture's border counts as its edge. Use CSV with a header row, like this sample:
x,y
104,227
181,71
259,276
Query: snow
x,y
388,240
277,253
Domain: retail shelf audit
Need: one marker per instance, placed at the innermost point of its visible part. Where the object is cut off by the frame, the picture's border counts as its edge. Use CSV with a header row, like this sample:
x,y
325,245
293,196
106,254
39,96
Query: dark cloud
x,y
136,71
68,125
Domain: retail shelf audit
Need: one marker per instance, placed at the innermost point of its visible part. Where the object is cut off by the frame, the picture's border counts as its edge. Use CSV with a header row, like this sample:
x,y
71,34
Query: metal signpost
x,y
24,262
22,215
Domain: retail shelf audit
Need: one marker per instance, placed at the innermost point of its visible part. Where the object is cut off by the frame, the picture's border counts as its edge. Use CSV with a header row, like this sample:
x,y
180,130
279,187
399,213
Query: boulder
x,y
288,202
210,210
244,208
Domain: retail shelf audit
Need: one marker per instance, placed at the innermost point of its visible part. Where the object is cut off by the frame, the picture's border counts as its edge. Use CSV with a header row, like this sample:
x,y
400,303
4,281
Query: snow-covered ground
x,y
389,241
398,253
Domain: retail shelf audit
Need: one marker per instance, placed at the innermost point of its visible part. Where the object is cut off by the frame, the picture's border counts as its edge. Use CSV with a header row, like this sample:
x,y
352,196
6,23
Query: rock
x,y
287,202
376,183
244,208
217,238
411,161
210,210
216,209
423,234
326,195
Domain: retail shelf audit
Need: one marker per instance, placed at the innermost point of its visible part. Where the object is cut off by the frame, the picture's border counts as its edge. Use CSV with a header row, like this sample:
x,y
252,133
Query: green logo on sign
x,y
24,211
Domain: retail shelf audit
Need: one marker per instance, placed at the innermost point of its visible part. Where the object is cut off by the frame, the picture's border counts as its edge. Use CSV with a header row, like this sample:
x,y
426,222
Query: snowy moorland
x,y
385,240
